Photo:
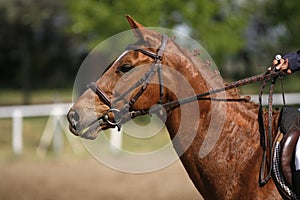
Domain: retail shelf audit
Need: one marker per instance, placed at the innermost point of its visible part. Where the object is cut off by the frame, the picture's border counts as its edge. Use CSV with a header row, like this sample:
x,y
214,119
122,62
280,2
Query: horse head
x,y
117,93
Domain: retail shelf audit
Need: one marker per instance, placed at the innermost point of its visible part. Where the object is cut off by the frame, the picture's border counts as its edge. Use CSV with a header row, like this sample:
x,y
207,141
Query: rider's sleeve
x,y
294,60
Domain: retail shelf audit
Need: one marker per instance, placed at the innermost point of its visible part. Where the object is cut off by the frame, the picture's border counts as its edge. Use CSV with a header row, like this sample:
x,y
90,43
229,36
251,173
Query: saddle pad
x,y
287,118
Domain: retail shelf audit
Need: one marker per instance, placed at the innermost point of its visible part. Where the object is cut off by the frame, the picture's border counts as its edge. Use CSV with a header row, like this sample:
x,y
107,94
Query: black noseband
x,y
101,94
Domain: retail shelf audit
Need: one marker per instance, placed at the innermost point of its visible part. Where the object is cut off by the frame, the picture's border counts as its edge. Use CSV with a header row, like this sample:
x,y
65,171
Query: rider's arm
x,y
289,63
293,60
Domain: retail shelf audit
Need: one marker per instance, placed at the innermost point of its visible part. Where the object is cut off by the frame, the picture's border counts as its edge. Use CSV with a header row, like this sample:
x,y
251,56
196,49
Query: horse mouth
x,y
89,131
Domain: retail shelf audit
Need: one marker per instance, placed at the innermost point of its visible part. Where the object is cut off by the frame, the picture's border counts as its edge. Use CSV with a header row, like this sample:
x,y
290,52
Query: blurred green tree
x,y
285,17
219,25
240,35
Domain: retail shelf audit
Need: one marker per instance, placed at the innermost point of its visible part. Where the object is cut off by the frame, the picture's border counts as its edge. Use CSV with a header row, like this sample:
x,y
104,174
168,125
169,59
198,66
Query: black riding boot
x,y
297,183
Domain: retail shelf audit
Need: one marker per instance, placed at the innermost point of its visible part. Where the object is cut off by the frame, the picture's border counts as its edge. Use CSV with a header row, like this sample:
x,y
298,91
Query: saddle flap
x,y
287,154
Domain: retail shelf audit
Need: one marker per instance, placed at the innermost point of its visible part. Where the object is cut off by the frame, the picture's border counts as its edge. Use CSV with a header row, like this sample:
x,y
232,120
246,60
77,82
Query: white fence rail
x,y
290,99
57,112
34,110
52,132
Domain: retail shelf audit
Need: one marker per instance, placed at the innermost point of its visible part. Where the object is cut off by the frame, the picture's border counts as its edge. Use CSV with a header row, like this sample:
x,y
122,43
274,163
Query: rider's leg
x,y
297,165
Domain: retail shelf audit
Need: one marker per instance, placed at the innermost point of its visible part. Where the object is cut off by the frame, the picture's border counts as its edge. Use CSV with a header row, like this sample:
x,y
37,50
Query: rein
x,y
253,79
266,139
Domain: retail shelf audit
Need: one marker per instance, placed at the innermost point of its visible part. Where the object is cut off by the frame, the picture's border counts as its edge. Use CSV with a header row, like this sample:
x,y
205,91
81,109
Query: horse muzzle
x,y
91,126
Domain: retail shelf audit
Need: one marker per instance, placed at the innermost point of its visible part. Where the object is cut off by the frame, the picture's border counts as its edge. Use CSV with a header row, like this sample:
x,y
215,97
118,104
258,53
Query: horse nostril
x,y
73,117
76,116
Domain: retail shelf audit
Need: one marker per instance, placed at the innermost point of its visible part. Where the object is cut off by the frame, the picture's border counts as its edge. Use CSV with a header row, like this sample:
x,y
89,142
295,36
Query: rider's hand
x,y
289,63
281,64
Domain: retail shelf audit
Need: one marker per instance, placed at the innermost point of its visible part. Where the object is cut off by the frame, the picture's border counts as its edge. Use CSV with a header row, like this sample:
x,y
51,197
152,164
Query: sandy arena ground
x,y
85,178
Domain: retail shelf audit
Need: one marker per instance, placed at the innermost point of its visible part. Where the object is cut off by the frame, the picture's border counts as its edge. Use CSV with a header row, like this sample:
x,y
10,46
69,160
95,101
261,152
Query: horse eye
x,y
125,68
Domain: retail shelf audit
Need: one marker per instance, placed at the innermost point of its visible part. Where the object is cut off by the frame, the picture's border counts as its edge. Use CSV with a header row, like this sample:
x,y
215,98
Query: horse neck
x,y
201,78
220,159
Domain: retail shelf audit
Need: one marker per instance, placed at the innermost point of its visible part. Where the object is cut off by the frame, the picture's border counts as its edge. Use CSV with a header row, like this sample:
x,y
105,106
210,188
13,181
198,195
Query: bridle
x,y
155,67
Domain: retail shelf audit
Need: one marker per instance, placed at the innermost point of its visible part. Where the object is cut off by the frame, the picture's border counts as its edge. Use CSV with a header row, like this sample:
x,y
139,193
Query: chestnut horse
x,y
230,169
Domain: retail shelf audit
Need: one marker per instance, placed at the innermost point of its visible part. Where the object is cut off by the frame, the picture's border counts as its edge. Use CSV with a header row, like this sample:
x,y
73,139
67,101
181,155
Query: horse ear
x,y
139,30
135,26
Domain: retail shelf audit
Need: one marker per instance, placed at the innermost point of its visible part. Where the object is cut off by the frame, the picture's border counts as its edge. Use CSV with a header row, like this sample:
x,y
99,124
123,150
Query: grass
x,y
32,132
33,127
15,97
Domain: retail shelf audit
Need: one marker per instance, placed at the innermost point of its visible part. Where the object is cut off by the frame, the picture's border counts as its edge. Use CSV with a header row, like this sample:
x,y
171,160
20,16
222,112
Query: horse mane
x,y
246,108
207,70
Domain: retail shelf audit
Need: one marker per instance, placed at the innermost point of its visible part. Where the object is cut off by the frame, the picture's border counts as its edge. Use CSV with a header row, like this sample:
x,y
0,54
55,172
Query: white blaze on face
x,y
120,57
